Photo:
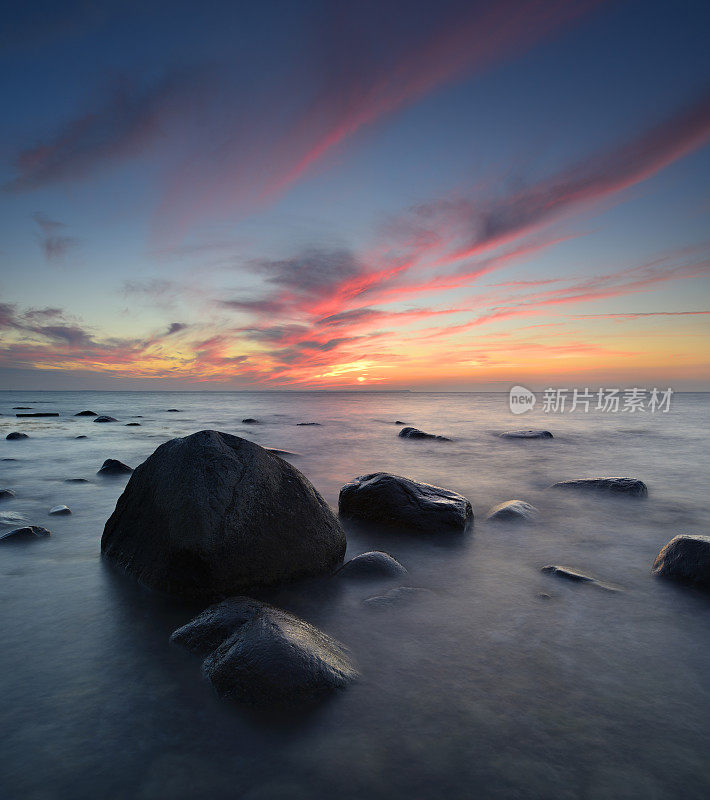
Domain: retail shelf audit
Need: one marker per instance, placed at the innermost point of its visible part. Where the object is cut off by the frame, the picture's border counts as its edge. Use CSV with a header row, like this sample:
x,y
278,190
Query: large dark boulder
x,y
374,564
211,514
393,500
15,435
630,486
275,657
86,413
529,434
685,558
415,433
105,418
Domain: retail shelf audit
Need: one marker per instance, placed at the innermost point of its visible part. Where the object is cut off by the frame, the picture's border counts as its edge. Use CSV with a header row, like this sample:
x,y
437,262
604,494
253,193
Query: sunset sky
x,y
426,195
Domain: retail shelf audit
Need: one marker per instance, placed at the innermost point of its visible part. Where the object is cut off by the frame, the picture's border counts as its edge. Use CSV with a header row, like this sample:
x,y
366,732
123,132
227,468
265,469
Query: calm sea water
x,y
482,688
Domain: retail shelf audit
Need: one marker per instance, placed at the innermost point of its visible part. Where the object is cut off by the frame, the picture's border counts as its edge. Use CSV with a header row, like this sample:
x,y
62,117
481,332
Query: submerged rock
x,y
529,434
86,414
81,437
374,564
60,510
394,500
400,594
39,414
399,422
577,577
415,433
512,511
76,480
6,494
630,486
250,421
265,655
105,418
113,466
685,558
307,424
15,435
211,514
173,410
29,532
22,408
133,424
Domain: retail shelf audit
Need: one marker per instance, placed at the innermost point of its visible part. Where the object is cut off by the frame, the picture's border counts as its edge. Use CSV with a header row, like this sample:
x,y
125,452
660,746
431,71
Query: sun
x,y
360,379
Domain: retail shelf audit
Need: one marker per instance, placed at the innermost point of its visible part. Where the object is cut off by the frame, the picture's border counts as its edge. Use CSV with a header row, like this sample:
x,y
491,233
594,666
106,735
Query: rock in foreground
x,y
685,558
374,564
513,511
211,514
15,435
393,500
266,655
630,486
415,433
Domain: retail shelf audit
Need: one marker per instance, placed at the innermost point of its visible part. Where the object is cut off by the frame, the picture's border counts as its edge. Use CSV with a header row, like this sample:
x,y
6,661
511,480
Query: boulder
x,y
577,577
113,466
86,414
30,532
530,434
374,564
6,494
60,510
269,656
400,594
685,558
393,500
105,418
630,486
212,514
512,511
15,435
415,433
250,421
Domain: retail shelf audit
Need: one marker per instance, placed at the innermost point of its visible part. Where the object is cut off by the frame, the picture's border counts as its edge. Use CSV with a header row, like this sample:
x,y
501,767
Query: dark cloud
x,y
176,327
313,272
55,244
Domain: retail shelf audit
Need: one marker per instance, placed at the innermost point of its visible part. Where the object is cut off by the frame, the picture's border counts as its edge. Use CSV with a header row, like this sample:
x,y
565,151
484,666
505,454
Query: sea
x,y
501,681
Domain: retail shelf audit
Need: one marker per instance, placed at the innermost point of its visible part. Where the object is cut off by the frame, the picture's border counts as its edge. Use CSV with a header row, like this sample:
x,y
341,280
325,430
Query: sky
x,y
376,195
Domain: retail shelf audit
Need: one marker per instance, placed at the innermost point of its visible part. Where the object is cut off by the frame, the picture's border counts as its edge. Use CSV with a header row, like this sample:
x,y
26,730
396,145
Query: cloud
x,y
176,327
54,243
119,125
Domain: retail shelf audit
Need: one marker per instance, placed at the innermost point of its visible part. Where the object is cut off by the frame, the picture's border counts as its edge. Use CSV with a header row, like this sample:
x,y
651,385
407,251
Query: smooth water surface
x,y
502,682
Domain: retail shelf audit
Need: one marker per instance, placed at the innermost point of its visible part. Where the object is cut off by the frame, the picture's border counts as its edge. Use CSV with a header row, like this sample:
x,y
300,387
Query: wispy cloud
x,y
55,244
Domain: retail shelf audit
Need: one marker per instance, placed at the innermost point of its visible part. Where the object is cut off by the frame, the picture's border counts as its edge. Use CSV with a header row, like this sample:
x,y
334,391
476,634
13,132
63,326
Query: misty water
x,y
501,682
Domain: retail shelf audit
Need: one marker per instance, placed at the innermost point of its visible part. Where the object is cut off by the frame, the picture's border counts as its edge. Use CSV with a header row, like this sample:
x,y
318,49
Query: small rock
x,y
86,414
513,511
105,418
268,655
399,422
6,494
113,466
60,510
415,433
39,414
374,564
630,486
685,558
577,577
307,424
173,410
76,480
81,437
29,532
16,435
133,424
22,408
530,434
250,421
395,596
394,500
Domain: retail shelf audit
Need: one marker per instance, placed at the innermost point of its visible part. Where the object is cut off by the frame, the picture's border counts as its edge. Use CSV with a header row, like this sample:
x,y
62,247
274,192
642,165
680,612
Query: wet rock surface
x,y
628,486
685,558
